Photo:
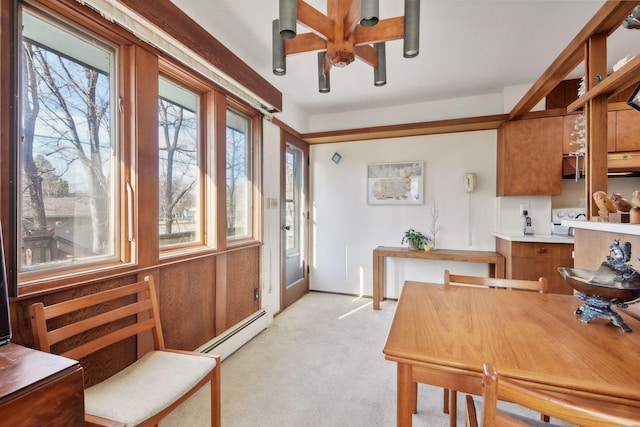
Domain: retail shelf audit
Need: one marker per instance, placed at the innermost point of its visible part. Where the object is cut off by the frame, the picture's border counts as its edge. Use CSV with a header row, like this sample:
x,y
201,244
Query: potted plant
x,y
415,239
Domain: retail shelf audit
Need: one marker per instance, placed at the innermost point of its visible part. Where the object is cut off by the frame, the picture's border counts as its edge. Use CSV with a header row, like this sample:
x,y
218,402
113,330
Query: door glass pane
x,y
292,201
179,165
239,179
68,161
294,215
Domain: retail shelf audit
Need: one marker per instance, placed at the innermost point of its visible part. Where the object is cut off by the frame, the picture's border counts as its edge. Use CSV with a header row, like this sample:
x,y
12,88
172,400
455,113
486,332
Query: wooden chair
x,y
146,391
541,285
572,409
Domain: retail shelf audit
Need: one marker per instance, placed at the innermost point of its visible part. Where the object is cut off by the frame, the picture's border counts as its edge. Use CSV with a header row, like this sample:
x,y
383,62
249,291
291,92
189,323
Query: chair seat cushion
x,y
146,387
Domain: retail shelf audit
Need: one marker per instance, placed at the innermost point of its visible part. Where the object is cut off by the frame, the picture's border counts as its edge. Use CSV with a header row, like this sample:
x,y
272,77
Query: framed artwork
x,y
397,183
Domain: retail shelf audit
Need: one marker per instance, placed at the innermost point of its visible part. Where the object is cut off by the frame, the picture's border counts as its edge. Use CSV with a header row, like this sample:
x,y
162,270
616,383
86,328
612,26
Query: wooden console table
x,y
39,388
495,260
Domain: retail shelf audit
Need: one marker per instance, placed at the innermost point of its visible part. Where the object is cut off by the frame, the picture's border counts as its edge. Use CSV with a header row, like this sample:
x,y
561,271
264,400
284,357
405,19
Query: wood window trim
x,y
256,171
172,20
190,80
137,256
39,280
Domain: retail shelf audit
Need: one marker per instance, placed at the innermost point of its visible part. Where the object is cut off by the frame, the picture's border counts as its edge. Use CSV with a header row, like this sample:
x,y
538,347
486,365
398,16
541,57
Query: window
x,y
68,158
239,176
180,165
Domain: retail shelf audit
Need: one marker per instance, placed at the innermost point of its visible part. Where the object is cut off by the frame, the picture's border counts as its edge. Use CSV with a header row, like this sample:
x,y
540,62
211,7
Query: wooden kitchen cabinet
x,y
531,260
627,128
529,161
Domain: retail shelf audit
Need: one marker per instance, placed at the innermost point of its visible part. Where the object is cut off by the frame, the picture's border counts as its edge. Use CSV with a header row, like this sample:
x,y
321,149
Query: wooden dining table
x,y
442,335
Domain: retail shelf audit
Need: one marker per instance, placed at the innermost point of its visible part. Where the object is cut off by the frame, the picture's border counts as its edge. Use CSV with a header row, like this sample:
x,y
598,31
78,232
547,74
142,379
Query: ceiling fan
x,y
351,29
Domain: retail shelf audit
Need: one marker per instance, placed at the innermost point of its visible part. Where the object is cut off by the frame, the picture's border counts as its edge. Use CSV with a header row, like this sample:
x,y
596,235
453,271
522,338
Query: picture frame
x,y
634,99
395,183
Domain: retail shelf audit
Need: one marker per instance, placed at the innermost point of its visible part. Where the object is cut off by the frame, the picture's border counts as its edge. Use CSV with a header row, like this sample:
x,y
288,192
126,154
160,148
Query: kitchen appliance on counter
x,y
560,214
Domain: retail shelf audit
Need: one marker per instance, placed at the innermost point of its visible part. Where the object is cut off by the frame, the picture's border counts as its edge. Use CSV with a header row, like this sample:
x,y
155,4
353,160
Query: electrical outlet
x,y
524,207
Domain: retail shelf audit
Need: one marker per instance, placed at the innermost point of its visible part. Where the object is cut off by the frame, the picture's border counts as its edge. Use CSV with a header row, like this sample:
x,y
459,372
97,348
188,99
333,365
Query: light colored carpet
x,y
319,364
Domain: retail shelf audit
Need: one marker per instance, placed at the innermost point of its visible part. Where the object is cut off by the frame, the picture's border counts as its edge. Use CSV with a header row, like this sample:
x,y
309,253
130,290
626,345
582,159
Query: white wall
x,y
345,230
471,106
271,218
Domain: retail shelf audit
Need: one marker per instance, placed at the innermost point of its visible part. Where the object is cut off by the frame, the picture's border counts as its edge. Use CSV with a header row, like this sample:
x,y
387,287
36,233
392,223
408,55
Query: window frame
x,y
190,81
30,280
256,174
137,62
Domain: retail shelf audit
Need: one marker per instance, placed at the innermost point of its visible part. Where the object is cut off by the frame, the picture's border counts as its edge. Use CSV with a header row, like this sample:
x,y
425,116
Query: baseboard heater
x,y
239,327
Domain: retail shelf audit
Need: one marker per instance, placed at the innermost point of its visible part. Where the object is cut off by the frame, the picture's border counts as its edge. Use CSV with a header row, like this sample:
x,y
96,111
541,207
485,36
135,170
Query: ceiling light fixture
x,y
351,29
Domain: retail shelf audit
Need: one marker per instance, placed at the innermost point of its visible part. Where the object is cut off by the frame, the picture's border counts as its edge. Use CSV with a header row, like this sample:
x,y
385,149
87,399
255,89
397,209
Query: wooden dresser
x,y
38,389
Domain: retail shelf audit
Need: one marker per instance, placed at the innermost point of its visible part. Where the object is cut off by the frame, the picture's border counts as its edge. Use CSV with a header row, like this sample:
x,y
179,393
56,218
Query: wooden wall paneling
x,y
98,366
563,94
220,121
186,294
243,276
221,293
144,134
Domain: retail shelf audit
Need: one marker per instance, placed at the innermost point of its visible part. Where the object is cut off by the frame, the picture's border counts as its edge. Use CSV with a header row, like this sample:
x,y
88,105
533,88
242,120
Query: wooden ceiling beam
x,y
413,129
605,21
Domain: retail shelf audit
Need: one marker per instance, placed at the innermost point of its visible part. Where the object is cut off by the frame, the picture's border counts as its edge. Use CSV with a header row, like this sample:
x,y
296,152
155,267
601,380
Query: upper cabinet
x,y
627,130
529,159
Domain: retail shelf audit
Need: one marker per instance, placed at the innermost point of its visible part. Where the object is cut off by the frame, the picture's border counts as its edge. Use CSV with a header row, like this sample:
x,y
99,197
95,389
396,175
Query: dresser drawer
x,y
536,249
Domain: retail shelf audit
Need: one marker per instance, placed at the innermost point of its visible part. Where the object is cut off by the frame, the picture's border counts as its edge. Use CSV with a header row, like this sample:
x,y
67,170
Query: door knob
x,y
286,227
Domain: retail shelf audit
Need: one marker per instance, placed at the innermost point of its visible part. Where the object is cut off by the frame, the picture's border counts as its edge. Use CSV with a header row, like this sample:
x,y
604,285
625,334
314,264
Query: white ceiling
x,y
467,47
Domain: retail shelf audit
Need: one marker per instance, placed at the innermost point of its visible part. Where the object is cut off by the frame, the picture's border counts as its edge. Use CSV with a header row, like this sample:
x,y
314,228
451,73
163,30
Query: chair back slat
x,y
541,285
66,307
572,409
108,339
70,330
102,316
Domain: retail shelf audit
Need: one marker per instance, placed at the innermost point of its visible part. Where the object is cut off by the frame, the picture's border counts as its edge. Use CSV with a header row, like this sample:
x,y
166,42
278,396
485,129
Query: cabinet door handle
x,y
542,250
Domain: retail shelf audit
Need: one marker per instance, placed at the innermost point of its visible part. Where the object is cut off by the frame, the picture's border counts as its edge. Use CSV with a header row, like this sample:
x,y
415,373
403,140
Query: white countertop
x,y
535,238
610,227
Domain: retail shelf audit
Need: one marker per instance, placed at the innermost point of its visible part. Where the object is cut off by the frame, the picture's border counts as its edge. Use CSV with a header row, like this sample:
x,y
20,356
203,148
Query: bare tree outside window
x,y
238,182
179,165
67,154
